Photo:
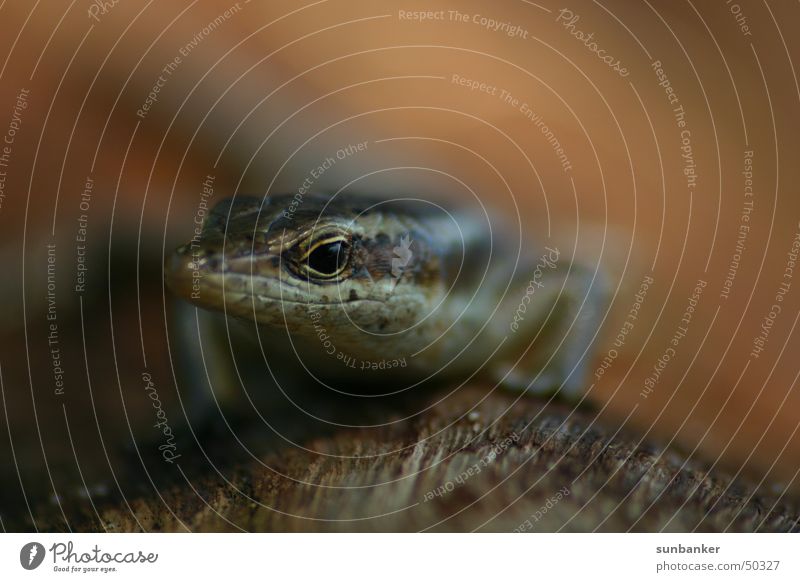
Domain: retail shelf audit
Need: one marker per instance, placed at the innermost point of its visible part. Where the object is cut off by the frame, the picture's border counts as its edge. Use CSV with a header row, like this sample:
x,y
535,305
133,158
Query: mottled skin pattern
x,y
434,289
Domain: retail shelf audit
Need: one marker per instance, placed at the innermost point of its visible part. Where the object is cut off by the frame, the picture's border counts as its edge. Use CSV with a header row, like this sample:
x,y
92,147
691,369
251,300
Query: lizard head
x,y
274,259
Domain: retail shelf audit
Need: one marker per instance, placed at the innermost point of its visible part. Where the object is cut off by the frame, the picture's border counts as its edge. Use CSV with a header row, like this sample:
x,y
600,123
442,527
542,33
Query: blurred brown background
x,y
266,90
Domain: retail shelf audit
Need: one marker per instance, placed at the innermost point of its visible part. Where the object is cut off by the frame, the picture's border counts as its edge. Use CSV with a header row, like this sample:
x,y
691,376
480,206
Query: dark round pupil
x,y
329,258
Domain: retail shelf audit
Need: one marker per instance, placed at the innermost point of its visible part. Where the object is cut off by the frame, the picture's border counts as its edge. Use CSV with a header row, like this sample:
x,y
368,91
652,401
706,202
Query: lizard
x,y
393,293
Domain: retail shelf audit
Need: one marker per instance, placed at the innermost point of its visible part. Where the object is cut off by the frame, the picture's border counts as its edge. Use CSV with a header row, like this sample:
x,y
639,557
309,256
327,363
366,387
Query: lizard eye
x,y
326,258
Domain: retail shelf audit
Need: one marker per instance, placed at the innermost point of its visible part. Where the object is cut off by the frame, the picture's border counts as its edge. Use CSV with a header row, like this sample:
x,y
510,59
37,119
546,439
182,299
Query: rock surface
x,y
508,464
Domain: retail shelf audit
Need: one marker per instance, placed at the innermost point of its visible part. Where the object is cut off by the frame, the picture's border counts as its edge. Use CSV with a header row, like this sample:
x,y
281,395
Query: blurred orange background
x,y
271,88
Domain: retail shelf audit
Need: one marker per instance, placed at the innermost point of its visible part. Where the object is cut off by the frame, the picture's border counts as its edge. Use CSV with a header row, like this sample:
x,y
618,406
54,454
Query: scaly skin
x,y
347,282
